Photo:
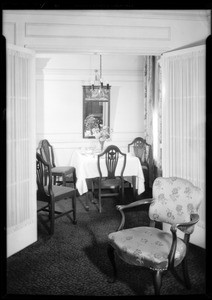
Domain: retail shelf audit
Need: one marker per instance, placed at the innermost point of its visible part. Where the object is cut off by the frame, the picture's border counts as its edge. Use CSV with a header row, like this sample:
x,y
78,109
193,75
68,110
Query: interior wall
x,y
139,32
59,99
122,36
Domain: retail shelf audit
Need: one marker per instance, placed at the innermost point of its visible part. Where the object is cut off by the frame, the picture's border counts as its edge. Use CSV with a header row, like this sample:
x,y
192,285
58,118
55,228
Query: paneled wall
x,y
66,43
140,32
59,81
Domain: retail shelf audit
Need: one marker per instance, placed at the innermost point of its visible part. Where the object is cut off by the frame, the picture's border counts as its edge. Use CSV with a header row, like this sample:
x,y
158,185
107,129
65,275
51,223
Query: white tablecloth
x,y
86,167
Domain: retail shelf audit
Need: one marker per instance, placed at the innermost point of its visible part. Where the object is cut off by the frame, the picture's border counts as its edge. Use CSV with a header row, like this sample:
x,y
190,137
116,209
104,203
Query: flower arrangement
x,y
91,122
102,133
96,128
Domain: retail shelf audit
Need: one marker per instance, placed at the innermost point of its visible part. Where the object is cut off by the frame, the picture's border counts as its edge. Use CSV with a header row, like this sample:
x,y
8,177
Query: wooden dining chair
x,y
176,202
49,194
111,185
67,173
142,150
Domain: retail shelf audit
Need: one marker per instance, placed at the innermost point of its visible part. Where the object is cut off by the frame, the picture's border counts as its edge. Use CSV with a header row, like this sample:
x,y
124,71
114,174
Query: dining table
x,y
85,163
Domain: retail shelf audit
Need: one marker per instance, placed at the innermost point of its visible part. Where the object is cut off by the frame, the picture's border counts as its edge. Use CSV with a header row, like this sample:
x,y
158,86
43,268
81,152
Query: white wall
x,y
59,81
122,36
140,32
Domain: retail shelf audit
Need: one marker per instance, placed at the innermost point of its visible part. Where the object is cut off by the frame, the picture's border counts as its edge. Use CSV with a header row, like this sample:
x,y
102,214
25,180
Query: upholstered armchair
x,y
175,201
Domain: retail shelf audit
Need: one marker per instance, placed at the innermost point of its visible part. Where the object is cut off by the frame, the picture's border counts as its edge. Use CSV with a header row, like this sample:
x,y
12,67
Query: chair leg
x,y
122,191
157,277
146,180
185,273
74,208
87,201
134,186
100,201
110,252
92,190
52,216
64,180
74,179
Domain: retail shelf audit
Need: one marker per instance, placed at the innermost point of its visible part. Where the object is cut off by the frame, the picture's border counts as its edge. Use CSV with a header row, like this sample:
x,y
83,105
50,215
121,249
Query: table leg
x,y
64,180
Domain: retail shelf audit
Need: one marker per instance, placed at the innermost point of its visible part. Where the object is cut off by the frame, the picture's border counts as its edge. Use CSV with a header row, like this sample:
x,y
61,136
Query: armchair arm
x,y
173,229
137,203
193,221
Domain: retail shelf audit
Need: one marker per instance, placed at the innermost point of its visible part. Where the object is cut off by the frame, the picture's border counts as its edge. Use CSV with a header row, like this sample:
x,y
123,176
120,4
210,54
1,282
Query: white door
x,y
21,149
184,120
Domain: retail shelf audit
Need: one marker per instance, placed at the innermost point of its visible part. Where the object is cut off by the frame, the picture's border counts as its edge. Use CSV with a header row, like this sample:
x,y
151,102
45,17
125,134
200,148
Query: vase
x,y
102,145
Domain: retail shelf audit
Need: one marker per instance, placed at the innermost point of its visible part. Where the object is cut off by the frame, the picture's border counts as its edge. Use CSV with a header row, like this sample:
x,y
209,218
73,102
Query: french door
x,y
184,121
20,143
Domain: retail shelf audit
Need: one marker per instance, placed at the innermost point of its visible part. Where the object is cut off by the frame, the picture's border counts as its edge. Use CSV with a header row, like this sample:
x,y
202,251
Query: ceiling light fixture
x,y
97,88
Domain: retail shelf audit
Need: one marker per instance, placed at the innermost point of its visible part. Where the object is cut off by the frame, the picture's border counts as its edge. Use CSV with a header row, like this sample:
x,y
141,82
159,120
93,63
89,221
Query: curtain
x,y
183,110
152,113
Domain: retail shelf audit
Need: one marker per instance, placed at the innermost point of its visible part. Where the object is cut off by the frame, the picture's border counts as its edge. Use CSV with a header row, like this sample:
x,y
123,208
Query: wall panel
x,y
59,99
129,31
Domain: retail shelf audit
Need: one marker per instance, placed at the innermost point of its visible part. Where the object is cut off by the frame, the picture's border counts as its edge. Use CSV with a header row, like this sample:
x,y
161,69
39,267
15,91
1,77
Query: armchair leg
x,y
110,252
185,273
157,277
185,281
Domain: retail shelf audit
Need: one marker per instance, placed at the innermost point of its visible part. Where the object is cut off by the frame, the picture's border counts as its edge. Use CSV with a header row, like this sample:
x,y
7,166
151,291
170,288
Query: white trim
x,y
65,49
19,48
184,51
20,238
201,14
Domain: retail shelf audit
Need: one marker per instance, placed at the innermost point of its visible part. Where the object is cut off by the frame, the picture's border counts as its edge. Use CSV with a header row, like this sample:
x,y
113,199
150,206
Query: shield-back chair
x,y
48,194
67,173
109,184
142,150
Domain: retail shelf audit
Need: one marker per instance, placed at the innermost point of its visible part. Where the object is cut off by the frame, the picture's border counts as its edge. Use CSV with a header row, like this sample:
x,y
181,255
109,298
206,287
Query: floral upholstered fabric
x,y
175,199
146,246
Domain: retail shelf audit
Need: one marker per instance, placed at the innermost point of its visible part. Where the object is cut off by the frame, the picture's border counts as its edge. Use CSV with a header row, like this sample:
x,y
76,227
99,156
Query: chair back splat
x,y
46,151
140,148
111,154
42,169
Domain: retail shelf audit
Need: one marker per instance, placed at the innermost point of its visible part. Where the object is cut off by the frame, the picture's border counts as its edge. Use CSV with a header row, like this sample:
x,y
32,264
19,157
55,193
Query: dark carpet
x,y
74,260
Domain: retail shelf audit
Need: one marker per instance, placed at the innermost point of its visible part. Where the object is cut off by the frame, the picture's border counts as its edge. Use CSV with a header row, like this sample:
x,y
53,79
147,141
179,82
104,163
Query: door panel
x,y
20,138
184,119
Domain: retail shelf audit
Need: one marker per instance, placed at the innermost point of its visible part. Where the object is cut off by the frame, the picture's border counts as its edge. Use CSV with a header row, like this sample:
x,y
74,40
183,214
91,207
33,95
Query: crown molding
x,y
48,49
181,14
